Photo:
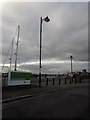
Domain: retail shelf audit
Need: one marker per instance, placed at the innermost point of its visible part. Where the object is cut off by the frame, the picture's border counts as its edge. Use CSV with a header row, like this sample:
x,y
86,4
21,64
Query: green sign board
x,y
20,75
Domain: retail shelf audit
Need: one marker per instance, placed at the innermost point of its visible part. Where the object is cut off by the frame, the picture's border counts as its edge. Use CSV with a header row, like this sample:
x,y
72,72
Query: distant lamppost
x,y
71,57
46,19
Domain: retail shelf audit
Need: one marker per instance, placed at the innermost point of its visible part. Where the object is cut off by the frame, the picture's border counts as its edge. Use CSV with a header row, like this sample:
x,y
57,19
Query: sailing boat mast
x,y
17,48
11,54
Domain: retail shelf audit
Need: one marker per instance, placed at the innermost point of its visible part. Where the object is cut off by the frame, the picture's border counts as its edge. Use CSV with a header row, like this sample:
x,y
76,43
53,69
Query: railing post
x,y
59,81
53,82
47,81
75,79
70,80
80,79
65,81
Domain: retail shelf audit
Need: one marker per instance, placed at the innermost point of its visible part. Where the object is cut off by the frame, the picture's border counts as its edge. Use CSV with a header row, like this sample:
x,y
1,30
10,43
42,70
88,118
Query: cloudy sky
x,y
66,34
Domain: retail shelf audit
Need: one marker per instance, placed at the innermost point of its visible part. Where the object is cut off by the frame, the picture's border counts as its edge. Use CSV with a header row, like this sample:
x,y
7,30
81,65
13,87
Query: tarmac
x,y
52,101
18,92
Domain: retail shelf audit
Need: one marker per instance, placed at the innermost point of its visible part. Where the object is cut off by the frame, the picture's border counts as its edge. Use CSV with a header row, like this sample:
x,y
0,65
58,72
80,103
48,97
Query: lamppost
x,y
71,57
46,19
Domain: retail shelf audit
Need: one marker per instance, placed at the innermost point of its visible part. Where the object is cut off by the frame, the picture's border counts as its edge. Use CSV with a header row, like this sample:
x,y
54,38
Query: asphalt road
x,y
69,103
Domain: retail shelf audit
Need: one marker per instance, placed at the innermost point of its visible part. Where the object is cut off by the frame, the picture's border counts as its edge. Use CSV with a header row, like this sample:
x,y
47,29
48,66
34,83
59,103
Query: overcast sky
x,y
66,34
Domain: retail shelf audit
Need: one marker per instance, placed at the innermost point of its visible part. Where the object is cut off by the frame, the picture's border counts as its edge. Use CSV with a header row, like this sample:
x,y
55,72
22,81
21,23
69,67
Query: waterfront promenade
x,y
70,101
55,99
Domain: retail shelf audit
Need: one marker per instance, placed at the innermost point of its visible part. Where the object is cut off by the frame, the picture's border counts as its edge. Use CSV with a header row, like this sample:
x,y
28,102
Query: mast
x,y
17,48
11,54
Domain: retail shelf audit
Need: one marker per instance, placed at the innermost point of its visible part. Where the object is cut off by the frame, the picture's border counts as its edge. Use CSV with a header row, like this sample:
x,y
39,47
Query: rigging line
x,y
9,49
7,55
11,43
15,33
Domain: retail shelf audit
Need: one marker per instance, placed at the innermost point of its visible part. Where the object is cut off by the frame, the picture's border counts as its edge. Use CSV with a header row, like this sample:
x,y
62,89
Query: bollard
x,y
59,81
70,80
65,81
75,80
80,79
46,81
53,82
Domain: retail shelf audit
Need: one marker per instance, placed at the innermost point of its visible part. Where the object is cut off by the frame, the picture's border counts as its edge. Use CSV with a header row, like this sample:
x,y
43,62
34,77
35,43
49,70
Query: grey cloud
x,y
56,67
65,34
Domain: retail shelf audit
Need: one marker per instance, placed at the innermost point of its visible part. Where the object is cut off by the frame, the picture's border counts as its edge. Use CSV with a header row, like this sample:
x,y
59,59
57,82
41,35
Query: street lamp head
x,y
71,57
46,19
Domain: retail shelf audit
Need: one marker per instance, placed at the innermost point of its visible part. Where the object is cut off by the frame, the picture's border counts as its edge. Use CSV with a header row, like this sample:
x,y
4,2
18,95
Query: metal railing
x,y
63,80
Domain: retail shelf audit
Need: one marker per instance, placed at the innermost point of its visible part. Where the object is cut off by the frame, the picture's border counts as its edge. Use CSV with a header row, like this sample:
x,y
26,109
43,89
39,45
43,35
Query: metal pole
x,y
53,81
40,66
17,48
65,81
47,81
71,65
59,81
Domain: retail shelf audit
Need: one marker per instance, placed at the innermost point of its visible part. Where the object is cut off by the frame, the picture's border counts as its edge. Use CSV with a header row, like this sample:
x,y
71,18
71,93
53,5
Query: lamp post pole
x,y
40,51
46,19
71,64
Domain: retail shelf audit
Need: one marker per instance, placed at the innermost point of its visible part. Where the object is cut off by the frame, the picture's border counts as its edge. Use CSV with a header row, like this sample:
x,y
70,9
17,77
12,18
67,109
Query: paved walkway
x,y
70,101
26,91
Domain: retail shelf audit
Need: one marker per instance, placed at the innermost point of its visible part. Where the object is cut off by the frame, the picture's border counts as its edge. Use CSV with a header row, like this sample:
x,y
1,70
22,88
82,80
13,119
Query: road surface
x,y
68,103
